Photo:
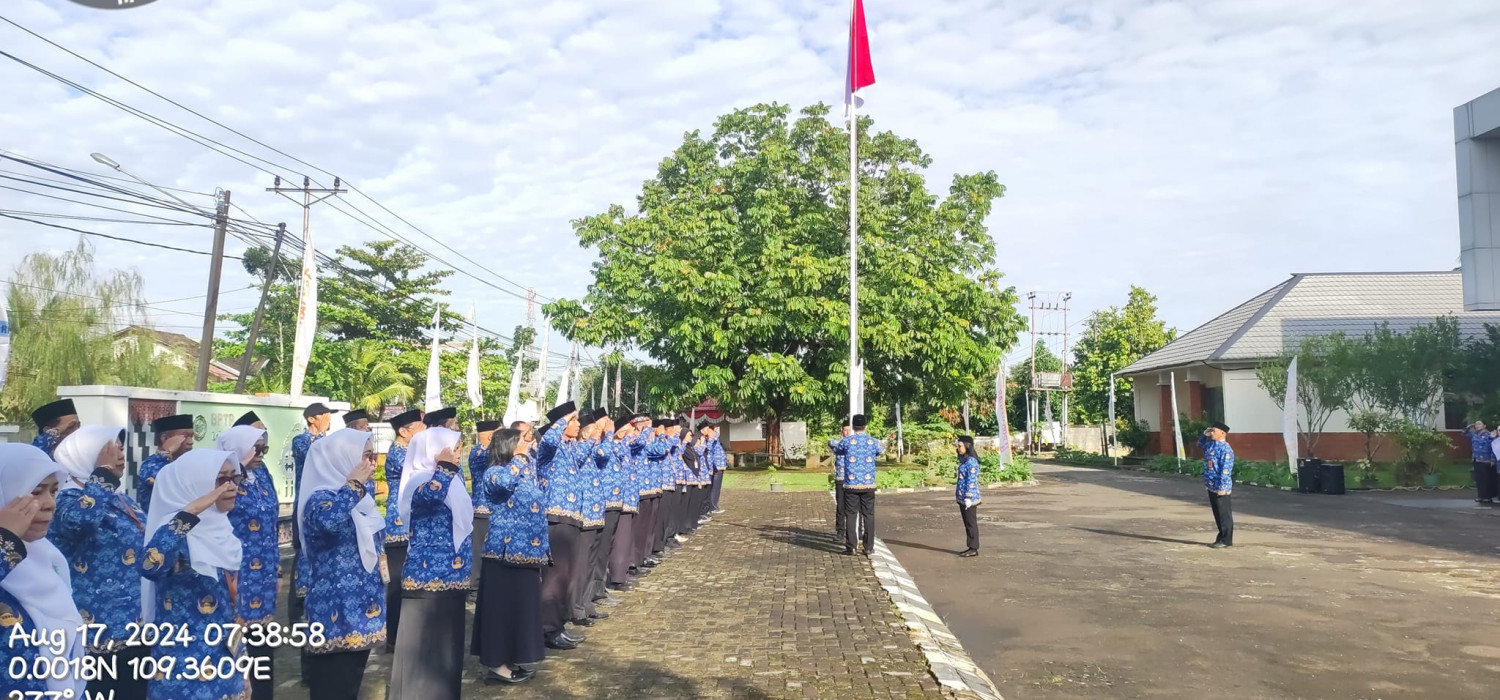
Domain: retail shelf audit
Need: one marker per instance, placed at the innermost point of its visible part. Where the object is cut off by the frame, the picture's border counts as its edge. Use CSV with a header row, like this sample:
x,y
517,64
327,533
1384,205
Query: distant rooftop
x,y
1318,304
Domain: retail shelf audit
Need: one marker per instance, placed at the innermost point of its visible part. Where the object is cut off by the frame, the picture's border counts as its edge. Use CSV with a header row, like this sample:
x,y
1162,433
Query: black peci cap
x,y
486,426
356,414
539,432
316,409
248,419
557,414
48,414
401,420
1220,426
440,416
599,415
858,422
183,421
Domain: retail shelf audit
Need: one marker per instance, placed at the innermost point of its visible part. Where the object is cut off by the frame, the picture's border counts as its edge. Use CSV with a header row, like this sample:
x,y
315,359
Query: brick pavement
x,y
759,604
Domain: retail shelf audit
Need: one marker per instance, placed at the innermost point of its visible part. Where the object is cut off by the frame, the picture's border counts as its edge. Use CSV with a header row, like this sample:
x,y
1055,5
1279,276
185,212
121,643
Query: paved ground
x,y
1097,584
759,604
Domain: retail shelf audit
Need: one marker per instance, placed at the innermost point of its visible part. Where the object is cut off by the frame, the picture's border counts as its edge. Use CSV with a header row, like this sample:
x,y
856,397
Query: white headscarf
x,y
328,465
421,466
79,452
238,441
211,543
41,581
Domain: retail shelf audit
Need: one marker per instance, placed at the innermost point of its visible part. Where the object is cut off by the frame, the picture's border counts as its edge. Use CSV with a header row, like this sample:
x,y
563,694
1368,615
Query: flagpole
x,y
856,378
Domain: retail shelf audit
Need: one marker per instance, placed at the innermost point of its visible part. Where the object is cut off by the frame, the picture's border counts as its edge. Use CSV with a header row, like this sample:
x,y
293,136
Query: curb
x,y
1252,483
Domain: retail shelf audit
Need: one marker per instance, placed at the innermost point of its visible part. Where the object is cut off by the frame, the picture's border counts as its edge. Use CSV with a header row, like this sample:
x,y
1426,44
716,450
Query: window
x,y
1213,403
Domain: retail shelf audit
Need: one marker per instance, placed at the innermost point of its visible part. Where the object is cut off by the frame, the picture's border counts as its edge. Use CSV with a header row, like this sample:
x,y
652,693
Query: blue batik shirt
x,y
518,521
146,477
1218,464
479,460
716,455
594,480
189,600
14,618
563,479
347,600
432,563
254,517
860,451
836,446
967,488
616,467
395,461
1480,445
101,532
45,441
648,466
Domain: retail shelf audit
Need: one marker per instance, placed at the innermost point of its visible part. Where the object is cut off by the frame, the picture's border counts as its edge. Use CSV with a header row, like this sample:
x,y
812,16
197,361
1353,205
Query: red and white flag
x,y
861,73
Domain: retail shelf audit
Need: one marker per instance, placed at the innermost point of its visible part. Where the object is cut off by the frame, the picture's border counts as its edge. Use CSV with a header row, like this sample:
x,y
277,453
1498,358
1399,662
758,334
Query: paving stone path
x,y
761,603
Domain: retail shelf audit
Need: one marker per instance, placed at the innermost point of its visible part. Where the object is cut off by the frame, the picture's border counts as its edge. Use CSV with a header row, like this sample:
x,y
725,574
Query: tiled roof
x,y
1318,304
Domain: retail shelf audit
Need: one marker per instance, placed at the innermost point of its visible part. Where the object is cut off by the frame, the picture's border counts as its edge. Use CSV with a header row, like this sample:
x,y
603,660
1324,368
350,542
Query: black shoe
x,y
848,551
561,642
652,563
517,677
574,637
620,587
600,616
583,622
1220,545
969,553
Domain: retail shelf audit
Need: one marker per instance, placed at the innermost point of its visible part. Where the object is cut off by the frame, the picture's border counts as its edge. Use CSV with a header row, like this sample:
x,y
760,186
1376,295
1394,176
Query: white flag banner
x,y
540,391
966,417
1176,423
434,396
513,410
577,383
603,386
1289,416
4,341
619,380
476,397
1002,421
900,434
1111,426
564,389
307,315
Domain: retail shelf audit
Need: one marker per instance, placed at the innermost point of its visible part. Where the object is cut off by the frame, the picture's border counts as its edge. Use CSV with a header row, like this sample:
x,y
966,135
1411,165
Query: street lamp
x,y
211,306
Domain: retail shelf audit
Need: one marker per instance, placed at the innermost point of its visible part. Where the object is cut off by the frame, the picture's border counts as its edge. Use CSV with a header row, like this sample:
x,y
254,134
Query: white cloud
x,y
1204,150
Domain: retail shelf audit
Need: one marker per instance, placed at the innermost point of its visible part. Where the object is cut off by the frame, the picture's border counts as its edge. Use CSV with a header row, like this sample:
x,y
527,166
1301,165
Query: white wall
x,y
1249,409
1148,401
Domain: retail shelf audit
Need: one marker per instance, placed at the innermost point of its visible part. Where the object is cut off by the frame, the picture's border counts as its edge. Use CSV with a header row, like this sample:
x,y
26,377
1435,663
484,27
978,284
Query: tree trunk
x,y
773,437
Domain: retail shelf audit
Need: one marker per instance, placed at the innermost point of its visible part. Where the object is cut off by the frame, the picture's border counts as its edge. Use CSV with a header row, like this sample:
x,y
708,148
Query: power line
x,y
115,238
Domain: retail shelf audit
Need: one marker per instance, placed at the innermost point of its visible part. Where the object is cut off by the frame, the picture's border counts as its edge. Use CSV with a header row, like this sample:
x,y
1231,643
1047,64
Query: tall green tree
x,y
732,271
1112,339
71,324
363,372
1019,381
1405,374
1325,382
383,291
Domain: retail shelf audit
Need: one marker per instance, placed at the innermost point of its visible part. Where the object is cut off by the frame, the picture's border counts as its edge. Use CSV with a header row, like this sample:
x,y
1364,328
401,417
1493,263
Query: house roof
x,y
226,369
1318,304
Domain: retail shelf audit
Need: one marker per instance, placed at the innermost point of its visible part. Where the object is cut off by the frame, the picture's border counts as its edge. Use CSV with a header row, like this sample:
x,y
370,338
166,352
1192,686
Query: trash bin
x,y
1309,475
1331,478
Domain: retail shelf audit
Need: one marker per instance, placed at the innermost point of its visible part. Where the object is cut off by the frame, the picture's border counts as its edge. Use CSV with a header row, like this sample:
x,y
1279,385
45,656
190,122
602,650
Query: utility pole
x,y
211,306
260,310
307,308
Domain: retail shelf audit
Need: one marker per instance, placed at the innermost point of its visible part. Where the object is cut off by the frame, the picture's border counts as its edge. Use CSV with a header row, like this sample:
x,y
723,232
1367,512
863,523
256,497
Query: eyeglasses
x,y
235,479
262,449
368,456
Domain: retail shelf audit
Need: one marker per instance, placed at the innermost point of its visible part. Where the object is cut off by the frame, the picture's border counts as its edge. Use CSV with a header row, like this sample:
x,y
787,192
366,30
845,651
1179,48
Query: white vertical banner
x,y
619,380
603,386
476,397
433,398
564,385
1002,421
1176,421
4,341
1289,416
539,395
307,315
1113,449
577,383
900,434
513,410
966,417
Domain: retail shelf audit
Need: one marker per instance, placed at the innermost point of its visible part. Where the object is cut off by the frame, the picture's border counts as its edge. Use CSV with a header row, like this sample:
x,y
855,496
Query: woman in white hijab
x,y
101,531
438,573
35,591
256,509
342,533
191,566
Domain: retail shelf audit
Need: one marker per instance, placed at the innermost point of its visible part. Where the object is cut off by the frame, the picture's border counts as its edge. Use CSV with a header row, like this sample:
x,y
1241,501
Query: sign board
x,y
1052,380
282,424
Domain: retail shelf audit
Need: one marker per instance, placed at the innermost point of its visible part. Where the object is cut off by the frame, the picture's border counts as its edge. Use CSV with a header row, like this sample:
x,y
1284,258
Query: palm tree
x,y
369,378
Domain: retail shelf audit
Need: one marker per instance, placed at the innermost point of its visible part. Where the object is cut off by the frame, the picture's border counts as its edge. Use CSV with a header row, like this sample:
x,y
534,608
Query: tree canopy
x,y
732,271
1112,339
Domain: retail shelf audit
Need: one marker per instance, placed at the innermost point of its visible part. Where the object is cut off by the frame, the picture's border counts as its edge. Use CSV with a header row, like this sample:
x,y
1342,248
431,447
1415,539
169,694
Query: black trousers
x,y
557,580
260,688
644,530
622,550
600,555
395,562
481,533
126,686
717,487
971,525
838,508
1223,516
667,511
859,507
583,602
1486,480
336,676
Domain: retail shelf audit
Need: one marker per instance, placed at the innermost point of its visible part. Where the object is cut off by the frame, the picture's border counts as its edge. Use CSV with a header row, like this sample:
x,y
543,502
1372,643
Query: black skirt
x,y
429,662
508,615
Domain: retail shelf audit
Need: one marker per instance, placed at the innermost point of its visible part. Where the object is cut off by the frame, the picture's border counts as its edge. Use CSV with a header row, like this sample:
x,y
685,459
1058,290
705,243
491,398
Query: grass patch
x,y
1276,473
760,480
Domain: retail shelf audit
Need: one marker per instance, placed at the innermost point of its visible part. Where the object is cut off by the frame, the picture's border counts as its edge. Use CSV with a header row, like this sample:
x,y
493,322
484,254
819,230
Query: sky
x,y
1203,150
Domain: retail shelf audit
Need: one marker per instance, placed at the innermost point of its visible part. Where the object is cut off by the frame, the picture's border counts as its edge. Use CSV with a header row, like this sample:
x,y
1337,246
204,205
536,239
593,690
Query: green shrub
x,y
1167,464
1134,435
944,466
1085,458
1266,473
1421,447
1019,469
900,478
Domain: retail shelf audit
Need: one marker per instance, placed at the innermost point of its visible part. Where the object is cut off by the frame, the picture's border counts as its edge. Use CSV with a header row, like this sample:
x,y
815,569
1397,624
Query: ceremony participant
x,y
174,437
508,610
35,596
318,419
479,459
696,472
966,491
595,521
191,565
559,455
720,462
251,420
1481,442
358,419
659,453
1218,477
835,446
442,418
624,498
436,578
342,532
860,451
649,481
407,426
54,422
613,452
101,532
256,510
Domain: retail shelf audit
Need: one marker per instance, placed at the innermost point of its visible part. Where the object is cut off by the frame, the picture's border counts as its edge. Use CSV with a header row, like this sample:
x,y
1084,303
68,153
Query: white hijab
x,y
41,581
328,465
211,543
79,452
238,441
421,466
